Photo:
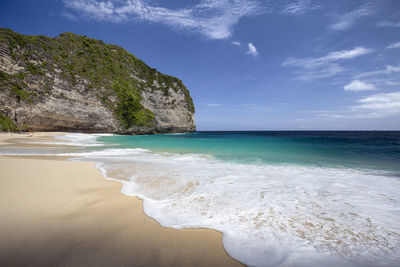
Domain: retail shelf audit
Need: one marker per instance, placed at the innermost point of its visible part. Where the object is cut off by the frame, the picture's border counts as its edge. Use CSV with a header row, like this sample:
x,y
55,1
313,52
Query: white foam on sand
x,y
270,215
79,139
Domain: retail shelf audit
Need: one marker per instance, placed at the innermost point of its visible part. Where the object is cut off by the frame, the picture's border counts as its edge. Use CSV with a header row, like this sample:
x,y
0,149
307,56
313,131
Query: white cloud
x,y
391,83
394,45
212,18
213,105
236,43
375,106
68,15
325,71
389,69
358,85
252,50
299,7
347,54
389,24
251,106
325,66
382,105
331,57
347,20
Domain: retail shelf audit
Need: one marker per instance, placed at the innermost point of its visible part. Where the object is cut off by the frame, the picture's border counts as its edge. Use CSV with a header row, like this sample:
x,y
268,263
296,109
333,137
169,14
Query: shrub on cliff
x,y
6,125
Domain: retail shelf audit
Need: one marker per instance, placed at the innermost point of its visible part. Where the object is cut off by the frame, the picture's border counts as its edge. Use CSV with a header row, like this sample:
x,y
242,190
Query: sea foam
x,y
270,215
78,139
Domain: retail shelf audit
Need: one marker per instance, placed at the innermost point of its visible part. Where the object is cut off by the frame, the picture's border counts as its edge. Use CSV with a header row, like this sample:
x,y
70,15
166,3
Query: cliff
x,y
75,83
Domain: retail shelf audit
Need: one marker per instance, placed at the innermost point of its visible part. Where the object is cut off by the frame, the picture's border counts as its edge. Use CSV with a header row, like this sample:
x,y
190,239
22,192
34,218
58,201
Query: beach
x,y
196,199
56,212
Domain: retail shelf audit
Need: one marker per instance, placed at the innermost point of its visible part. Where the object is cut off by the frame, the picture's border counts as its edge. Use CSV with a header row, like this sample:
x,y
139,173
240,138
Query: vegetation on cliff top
x,y
115,76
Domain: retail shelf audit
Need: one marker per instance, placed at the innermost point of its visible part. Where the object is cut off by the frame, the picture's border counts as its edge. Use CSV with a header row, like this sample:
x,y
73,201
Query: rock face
x,y
75,83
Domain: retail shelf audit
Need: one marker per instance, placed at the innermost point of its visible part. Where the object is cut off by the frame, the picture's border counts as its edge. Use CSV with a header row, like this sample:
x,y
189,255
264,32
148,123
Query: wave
x,y
269,214
78,139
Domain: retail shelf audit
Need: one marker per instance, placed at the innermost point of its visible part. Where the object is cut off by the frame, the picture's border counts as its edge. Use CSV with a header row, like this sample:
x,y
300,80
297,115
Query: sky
x,y
250,64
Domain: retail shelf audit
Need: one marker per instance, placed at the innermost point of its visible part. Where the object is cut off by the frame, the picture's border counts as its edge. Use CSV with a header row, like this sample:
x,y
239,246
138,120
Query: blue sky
x,y
251,64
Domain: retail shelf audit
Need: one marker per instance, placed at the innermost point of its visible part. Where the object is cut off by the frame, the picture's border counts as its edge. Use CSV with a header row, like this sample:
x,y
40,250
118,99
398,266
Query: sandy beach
x,y
62,213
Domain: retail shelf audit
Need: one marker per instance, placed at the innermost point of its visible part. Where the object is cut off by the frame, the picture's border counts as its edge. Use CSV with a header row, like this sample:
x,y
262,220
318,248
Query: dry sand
x,y
62,213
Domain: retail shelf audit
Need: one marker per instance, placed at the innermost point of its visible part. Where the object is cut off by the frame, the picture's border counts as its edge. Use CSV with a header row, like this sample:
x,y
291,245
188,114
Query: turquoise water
x,y
373,150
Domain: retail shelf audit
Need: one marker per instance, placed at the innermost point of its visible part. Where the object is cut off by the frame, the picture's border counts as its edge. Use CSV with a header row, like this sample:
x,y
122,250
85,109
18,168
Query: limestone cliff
x,y
75,83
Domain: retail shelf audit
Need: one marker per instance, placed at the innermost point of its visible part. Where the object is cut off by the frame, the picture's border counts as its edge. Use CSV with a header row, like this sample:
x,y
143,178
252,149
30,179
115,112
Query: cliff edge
x,y
75,83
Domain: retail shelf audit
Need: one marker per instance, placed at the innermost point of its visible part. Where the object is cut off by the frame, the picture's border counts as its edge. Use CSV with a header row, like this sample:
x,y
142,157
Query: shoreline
x,y
67,213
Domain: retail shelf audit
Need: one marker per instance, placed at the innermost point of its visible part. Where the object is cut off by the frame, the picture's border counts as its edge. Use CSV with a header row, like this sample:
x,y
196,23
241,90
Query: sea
x,y
280,198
